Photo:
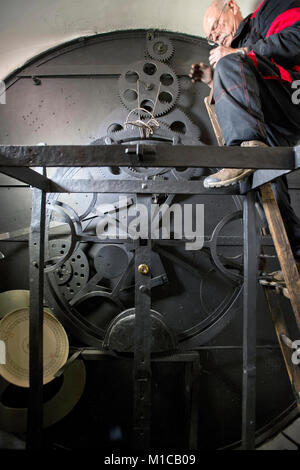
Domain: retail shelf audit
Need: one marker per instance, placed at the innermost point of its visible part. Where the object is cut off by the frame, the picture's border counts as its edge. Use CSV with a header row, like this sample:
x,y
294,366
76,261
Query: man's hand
x,y
202,73
219,52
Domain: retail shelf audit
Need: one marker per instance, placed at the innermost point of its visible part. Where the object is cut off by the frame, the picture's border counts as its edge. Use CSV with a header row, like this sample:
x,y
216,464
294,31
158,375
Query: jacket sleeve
x,y
283,47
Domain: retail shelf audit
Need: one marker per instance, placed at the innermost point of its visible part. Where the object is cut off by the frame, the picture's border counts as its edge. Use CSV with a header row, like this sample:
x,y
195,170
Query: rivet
x,y
143,269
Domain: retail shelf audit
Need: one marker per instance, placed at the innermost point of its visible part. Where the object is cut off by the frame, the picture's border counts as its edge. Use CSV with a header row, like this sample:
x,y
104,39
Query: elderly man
x,y
251,71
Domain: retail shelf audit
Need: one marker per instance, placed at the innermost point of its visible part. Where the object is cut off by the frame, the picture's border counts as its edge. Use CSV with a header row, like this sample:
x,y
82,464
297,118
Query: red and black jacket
x,y
273,32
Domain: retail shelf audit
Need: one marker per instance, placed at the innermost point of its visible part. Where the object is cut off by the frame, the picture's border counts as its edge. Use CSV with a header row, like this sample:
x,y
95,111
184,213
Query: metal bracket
x,y
140,150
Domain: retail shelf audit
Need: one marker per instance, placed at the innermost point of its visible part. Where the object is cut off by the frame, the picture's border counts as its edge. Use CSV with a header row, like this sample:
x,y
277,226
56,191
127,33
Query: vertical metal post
x,y
36,283
192,389
142,337
249,323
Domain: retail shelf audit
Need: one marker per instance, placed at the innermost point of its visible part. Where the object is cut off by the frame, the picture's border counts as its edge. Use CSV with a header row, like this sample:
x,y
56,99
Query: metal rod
x,y
249,323
194,405
134,187
36,283
142,337
28,176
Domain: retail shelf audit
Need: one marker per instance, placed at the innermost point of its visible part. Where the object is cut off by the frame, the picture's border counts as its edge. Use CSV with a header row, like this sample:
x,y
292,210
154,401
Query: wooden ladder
x,y
287,263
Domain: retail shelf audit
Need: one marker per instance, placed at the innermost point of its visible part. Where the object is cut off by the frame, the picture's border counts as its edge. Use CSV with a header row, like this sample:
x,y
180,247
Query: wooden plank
x,y
214,119
249,322
282,330
282,246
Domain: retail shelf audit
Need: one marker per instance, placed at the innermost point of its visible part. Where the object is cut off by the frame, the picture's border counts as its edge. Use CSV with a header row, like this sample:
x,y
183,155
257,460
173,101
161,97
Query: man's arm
x,y
222,51
283,47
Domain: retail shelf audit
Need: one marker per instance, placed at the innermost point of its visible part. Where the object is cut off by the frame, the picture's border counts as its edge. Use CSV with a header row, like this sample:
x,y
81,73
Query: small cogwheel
x,y
159,48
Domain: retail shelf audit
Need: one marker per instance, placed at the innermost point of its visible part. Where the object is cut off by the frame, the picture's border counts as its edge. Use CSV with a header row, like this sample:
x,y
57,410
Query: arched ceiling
x,y
28,27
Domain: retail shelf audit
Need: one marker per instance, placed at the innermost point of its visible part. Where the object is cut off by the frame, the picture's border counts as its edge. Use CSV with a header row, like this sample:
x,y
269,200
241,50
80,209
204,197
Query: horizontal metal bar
x,y
239,348
185,356
28,176
70,70
279,158
135,186
222,241
83,71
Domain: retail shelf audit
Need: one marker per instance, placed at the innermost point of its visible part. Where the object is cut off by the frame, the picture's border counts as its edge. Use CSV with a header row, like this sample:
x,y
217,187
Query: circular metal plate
x,y
12,300
111,261
60,405
14,332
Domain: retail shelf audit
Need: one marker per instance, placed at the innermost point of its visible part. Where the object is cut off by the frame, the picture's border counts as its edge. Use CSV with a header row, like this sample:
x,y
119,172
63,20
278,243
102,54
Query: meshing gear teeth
x,y
176,126
112,124
191,137
139,173
102,172
181,124
159,48
156,84
134,133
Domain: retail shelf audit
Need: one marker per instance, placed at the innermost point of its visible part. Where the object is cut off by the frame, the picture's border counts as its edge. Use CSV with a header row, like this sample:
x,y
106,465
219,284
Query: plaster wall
x,y
28,27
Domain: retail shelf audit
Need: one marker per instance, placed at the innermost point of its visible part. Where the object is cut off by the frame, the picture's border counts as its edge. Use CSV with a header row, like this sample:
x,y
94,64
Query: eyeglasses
x,y
214,27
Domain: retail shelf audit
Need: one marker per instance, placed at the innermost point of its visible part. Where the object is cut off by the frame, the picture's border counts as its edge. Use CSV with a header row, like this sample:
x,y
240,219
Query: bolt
x,y
144,186
108,141
143,289
143,269
149,86
150,36
35,264
36,80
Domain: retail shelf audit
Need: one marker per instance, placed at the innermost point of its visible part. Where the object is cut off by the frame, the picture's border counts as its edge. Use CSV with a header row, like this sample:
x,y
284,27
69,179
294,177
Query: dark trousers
x,y
249,107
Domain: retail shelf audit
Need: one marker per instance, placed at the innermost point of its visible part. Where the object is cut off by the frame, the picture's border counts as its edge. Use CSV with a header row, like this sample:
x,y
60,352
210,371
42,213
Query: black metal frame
x,y
16,162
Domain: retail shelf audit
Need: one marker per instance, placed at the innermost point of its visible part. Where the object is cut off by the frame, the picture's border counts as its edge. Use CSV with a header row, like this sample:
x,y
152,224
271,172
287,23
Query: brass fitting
x,y
143,269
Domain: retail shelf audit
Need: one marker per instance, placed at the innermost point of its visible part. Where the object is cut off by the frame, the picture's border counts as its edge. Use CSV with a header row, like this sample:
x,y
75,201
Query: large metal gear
x,y
180,124
176,127
163,134
113,122
159,48
155,83
131,133
145,173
